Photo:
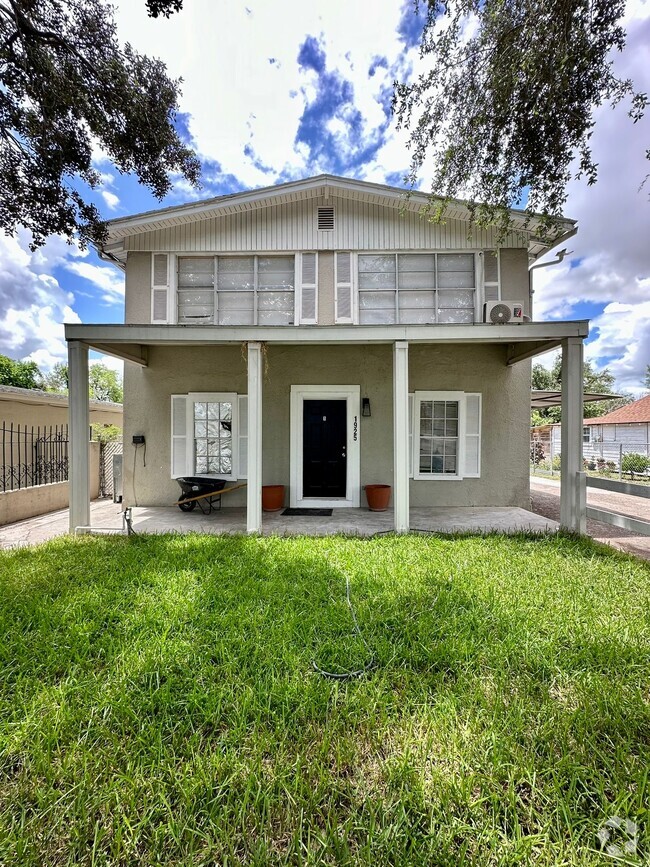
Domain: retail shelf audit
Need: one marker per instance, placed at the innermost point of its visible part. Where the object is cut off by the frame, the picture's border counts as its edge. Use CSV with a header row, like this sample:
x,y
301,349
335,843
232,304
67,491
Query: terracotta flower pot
x,y
378,497
272,497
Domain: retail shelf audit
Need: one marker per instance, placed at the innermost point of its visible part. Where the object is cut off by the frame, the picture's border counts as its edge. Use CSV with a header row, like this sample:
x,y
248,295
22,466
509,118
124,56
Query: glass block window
x,y
213,435
416,288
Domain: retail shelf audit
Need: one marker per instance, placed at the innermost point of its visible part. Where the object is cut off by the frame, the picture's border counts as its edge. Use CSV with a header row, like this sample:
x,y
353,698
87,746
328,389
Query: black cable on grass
x,y
348,675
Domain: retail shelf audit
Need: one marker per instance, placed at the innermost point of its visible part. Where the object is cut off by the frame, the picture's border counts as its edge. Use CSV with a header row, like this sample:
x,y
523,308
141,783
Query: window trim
x,y
459,397
174,288
477,289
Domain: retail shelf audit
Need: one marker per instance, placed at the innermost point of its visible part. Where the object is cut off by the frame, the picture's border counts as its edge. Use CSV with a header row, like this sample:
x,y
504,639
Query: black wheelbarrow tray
x,y
197,490
204,492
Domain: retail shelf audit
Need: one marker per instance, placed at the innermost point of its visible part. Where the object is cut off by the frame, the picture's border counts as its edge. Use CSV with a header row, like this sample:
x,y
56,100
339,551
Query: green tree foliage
x,y
67,86
20,374
57,379
595,381
104,383
646,378
504,110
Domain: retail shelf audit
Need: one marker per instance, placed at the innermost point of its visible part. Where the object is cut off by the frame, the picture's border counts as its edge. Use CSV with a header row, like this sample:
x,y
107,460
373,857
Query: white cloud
x,y
112,201
107,278
236,96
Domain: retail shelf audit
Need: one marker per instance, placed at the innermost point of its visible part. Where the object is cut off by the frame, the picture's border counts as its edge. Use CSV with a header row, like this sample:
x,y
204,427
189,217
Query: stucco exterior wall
x,y
326,288
137,289
481,368
514,276
20,412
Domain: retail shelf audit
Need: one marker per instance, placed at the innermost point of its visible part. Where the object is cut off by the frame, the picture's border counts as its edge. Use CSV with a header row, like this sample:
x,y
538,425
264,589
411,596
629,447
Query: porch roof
x,y
130,342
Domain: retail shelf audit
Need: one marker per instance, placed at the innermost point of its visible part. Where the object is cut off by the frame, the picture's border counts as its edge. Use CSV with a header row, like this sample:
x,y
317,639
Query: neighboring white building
x,y
324,335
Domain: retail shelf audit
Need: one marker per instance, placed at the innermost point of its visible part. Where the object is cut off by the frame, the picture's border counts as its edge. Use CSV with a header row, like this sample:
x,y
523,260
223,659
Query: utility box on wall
x,y
118,480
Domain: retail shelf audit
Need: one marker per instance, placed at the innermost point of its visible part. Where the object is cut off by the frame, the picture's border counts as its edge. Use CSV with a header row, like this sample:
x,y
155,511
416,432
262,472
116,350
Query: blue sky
x,y
275,93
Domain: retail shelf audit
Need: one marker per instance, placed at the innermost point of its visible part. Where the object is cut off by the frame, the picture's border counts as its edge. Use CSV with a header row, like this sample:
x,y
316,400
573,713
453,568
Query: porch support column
x,y
572,506
254,489
401,435
79,415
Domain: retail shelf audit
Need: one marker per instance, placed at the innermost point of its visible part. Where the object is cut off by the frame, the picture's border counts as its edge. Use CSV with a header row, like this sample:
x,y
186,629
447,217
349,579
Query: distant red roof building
x,y
638,412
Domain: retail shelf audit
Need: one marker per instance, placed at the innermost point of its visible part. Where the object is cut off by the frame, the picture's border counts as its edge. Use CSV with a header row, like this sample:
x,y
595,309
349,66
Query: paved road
x,y
545,498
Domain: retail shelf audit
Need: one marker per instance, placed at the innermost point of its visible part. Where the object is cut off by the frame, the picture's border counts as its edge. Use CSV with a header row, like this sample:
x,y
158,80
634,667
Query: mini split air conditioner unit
x,y
502,312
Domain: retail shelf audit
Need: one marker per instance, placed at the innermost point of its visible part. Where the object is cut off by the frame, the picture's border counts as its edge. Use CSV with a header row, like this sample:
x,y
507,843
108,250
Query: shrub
x,y
635,463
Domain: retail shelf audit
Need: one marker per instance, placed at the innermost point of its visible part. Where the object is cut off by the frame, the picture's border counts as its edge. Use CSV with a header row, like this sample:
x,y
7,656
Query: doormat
x,y
307,513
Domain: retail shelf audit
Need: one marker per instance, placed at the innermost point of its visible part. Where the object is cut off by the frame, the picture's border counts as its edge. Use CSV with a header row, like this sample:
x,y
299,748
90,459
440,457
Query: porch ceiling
x,y
130,342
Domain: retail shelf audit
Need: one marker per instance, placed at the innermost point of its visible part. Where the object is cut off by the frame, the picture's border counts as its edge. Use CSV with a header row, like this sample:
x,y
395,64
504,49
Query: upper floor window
x,y
236,290
416,288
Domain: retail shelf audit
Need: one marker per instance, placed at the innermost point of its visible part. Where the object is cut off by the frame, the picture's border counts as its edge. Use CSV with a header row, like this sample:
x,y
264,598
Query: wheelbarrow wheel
x,y
187,507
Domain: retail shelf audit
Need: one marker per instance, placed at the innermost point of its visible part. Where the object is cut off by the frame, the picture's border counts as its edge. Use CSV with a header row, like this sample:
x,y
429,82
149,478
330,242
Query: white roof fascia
x,y
202,335
289,192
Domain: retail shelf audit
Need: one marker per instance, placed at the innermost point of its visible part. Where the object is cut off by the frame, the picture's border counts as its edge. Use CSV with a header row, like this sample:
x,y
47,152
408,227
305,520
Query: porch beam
x,y
136,354
401,435
79,415
254,489
572,505
548,333
523,351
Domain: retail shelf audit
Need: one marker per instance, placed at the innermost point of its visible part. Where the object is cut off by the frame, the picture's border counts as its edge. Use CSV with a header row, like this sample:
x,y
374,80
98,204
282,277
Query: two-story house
x,y
324,335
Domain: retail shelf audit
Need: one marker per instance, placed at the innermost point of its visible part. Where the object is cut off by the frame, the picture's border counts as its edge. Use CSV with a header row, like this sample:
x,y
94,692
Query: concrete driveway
x,y
545,500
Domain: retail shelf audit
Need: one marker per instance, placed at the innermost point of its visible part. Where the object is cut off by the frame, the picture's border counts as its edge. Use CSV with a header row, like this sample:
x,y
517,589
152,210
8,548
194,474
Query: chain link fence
x,y
614,459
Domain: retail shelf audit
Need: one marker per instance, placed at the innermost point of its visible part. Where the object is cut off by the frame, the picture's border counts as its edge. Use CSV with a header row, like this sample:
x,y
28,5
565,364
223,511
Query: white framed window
x,y
416,288
586,434
236,290
209,435
445,435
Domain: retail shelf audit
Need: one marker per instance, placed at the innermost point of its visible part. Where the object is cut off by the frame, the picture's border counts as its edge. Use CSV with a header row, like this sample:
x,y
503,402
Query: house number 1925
x,y
355,429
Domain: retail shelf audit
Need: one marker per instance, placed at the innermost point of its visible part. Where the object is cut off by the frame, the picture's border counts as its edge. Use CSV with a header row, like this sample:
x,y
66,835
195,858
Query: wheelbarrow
x,y
199,490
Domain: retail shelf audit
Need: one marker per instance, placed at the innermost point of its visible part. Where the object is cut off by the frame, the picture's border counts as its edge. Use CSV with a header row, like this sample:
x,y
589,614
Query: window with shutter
x,y
308,289
343,288
205,435
445,435
159,288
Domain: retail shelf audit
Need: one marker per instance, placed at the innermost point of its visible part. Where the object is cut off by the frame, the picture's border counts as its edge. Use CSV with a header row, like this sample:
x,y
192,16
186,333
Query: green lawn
x,y
158,703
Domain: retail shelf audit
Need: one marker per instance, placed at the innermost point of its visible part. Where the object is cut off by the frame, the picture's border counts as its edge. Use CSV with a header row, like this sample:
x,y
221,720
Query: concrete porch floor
x,y
106,515
360,522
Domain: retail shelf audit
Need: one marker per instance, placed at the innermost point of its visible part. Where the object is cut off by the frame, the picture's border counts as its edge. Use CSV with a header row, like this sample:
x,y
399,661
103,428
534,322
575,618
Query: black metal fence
x,y
33,456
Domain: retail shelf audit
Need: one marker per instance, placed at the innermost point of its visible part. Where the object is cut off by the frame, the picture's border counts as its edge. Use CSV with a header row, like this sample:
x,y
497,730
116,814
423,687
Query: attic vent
x,y
325,219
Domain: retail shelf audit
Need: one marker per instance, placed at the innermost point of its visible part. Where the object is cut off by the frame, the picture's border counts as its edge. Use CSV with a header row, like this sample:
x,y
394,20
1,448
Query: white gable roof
x,y
325,188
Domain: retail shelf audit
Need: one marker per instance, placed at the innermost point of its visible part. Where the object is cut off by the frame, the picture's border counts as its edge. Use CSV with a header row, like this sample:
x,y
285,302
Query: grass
x,y
158,703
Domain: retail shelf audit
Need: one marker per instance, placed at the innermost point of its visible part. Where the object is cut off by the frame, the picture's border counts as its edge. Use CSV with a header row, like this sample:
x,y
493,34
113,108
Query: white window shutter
x,y
472,462
180,449
308,289
343,288
242,402
159,288
411,425
491,275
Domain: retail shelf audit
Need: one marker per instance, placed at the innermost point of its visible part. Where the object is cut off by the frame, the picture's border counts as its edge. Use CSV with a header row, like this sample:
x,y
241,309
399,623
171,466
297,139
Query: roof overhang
x,y
540,399
323,187
131,342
